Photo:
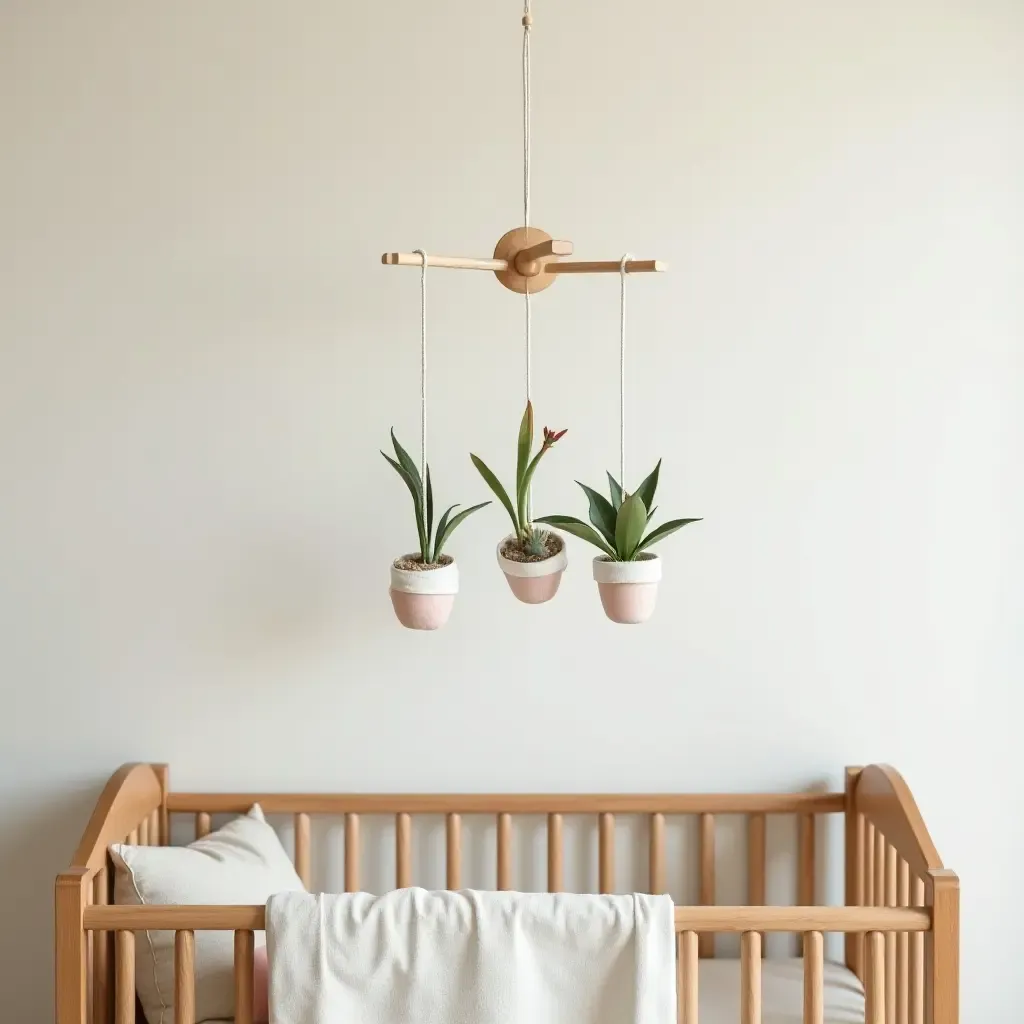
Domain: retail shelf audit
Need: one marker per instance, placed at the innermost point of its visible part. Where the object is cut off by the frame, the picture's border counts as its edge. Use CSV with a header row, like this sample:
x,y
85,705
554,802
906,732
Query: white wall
x,y
200,355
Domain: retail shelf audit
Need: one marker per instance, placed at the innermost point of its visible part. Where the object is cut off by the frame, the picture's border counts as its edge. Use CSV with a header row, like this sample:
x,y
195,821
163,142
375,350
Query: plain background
x,y
200,355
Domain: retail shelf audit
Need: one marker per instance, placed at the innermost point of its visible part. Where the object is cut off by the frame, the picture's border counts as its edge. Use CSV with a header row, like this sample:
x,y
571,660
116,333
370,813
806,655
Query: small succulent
x,y
619,524
431,542
533,541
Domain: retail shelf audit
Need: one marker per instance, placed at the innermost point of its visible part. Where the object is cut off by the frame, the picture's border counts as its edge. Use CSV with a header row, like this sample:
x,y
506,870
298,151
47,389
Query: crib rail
x,y
690,924
508,803
719,920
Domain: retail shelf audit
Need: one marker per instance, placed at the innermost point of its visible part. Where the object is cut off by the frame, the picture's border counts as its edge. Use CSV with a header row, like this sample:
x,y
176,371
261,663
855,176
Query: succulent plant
x,y
619,523
531,540
431,542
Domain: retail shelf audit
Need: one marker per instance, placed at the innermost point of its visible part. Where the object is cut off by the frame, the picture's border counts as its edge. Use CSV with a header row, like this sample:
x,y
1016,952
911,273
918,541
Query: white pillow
x,y
244,862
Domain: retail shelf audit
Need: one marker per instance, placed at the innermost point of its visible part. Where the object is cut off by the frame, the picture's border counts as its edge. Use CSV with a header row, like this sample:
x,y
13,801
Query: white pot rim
x,y
444,580
529,570
646,569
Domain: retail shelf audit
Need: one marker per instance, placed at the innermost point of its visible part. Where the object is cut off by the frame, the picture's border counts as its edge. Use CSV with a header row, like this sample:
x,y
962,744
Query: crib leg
x,y
941,951
70,898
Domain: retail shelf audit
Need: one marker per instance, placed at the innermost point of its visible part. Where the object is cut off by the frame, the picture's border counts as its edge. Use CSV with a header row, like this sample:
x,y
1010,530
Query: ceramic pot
x,y
423,599
533,582
628,590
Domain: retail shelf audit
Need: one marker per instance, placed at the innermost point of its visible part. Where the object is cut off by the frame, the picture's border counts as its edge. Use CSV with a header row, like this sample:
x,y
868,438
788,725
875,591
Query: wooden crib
x,y
900,921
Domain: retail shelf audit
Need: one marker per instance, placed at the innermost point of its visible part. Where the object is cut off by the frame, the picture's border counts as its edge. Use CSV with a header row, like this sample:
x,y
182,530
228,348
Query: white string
x,y
423,376
527,22
626,257
527,145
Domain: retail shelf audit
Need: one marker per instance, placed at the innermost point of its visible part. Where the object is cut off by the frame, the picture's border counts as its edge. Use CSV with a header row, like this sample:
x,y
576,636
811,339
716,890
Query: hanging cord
x,y
423,376
626,257
527,141
527,23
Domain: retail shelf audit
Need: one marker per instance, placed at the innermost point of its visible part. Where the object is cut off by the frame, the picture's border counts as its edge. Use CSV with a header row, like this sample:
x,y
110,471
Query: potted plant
x,y
532,560
424,583
627,573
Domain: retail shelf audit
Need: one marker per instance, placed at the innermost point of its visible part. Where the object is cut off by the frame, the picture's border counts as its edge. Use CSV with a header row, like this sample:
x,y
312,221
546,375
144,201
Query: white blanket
x,y
418,957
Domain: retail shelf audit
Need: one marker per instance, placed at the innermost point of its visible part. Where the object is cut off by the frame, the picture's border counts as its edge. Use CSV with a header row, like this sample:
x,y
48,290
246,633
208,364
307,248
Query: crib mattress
x,y
782,993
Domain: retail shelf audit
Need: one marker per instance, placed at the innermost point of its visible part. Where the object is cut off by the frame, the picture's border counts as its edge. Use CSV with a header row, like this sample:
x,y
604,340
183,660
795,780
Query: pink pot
x,y
533,582
422,611
535,589
424,600
629,590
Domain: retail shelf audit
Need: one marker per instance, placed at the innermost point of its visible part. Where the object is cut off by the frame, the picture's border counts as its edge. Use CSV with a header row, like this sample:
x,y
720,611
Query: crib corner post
x,y
71,895
854,870
942,949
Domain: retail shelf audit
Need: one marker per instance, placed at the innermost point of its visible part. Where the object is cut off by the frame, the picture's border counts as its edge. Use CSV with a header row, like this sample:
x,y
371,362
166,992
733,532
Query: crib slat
x,y
880,845
750,978
686,977
869,872
656,853
756,863
874,978
453,851
707,877
805,887
144,832
606,853
890,937
101,955
903,951
403,851
916,995
202,824
124,984
814,978
351,853
855,888
133,837
554,853
184,977
154,827
504,852
163,774
245,946
302,847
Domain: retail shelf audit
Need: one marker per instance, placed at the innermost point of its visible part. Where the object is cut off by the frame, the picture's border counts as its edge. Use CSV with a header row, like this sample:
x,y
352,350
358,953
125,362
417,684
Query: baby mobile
x,y
424,583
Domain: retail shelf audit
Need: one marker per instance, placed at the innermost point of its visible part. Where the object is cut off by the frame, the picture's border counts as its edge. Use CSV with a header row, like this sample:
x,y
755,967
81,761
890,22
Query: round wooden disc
x,y
509,245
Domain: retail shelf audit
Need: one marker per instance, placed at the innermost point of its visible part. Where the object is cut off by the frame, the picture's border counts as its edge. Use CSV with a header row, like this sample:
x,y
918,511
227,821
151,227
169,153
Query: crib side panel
x,y
131,809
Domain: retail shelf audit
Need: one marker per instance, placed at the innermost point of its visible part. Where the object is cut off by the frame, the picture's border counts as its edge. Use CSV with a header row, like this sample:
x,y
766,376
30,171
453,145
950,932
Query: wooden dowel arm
x,y
413,259
529,261
607,267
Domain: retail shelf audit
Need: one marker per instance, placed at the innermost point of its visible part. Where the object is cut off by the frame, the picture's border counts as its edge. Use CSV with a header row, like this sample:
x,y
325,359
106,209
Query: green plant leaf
x,y
646,490
495,485
430,513
449,527
443,521
664,530
615,490
523,447
602,515
629,527
650,515
578,528
417,501
407,464
525,489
